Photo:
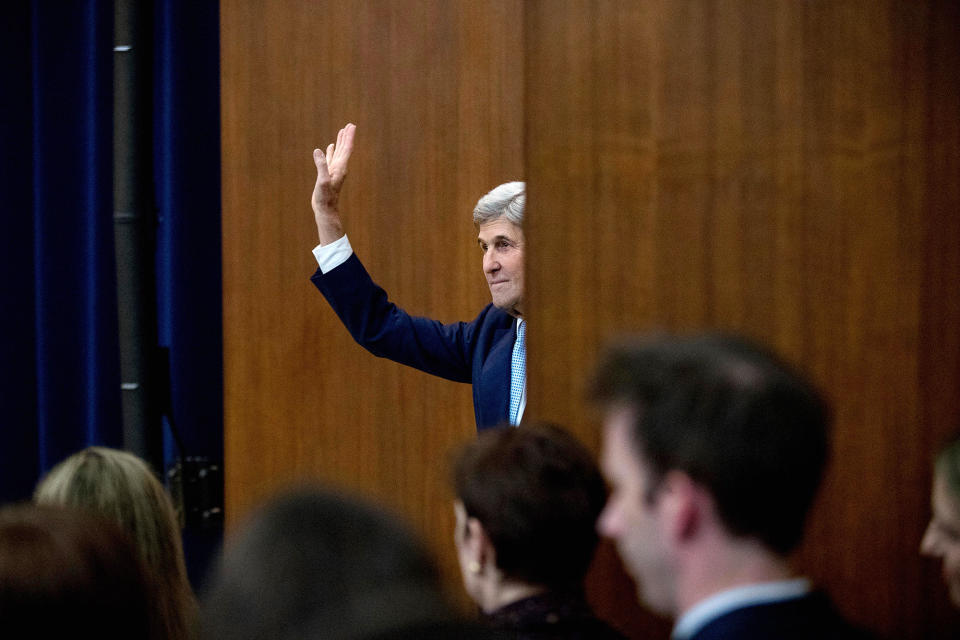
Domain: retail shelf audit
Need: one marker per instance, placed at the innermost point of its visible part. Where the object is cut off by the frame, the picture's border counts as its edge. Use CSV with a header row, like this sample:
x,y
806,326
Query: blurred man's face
x,y
631,517
471,580
942,538
502,244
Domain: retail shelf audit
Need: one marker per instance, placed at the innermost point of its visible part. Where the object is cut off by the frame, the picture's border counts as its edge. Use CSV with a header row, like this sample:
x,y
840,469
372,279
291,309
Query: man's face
x,y
471,581
942,538
630,517
502,244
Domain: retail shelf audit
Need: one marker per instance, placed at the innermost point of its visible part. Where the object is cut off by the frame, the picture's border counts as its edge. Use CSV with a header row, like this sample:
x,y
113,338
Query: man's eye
x,y
503,244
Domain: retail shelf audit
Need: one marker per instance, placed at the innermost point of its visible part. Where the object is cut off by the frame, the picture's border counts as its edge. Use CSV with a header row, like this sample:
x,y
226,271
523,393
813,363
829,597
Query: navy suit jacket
x,y
806,618
477,352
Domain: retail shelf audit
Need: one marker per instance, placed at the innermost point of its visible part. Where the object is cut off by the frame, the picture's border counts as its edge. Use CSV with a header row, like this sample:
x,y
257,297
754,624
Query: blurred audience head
x,y
66,573
942,537
713,448
527,501
121,487
316,564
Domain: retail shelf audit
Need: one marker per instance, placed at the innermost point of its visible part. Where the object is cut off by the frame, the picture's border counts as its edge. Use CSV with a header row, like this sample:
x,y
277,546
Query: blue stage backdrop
x,y
61,381
59,348
187,179
18,340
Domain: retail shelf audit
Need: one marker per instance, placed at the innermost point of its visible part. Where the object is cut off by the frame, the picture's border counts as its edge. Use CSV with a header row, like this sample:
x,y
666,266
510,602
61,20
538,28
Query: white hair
x,y
507,201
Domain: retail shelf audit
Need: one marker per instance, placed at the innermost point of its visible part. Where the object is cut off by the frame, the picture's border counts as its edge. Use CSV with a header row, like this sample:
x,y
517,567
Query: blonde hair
x,y
120,486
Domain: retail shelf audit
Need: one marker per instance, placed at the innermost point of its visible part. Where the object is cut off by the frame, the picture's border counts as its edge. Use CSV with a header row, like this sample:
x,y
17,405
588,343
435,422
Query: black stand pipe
x,y
135,229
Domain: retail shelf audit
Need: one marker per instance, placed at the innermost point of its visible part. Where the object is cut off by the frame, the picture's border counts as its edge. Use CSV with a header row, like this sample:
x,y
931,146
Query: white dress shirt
x,y
696,617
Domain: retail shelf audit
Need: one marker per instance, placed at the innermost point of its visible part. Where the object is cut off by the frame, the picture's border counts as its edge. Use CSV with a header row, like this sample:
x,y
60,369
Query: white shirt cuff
x,y
330,256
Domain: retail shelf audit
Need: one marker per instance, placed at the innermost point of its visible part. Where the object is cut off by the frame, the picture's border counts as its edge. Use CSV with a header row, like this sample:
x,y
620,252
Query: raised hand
x,y
331,172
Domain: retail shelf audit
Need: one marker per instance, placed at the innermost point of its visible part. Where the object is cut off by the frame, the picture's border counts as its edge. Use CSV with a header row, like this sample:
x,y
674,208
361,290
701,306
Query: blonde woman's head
x,y
121,487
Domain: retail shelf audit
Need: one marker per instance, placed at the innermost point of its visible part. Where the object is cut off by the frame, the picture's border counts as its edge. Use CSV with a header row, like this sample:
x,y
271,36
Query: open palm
x,y
332,170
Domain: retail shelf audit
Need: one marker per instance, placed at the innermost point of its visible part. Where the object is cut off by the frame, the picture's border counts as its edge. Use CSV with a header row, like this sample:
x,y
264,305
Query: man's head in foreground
x,y
714,450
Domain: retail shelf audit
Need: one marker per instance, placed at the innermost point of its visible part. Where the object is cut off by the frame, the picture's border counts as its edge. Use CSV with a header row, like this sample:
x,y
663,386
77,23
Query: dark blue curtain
x,y
59,376
18,398
60,381
187,177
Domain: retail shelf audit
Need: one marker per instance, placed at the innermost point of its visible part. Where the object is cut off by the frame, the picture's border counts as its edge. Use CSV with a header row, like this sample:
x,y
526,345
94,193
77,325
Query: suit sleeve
x,y
387,331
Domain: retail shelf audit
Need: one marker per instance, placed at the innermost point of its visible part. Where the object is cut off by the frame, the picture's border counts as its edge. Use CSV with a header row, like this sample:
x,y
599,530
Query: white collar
x,y
697,616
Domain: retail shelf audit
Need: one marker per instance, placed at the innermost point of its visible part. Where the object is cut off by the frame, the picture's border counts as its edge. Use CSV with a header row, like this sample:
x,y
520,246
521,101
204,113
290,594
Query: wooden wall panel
x,y
435,88
784,169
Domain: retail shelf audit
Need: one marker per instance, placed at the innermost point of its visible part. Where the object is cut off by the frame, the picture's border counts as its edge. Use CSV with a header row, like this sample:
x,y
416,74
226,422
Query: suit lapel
x,y
494,383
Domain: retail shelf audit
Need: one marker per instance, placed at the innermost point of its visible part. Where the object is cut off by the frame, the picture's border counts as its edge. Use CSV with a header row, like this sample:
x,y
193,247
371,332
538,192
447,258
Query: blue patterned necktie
x,y
518,372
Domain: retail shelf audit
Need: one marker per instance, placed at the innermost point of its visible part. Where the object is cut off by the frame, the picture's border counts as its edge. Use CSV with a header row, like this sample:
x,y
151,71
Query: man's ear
x,y
681,506
479,546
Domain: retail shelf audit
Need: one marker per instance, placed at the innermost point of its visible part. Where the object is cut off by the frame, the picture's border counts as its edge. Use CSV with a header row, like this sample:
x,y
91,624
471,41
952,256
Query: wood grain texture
x,y
787,170
435,88
784,169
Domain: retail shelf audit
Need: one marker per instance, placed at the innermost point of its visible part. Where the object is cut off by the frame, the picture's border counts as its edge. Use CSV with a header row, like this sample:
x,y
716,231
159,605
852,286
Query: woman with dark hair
x,y
527,502
66,573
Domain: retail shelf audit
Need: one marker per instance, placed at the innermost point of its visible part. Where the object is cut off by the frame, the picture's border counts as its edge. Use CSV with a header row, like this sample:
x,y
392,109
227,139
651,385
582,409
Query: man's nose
x,y
928,544
606,523
490,264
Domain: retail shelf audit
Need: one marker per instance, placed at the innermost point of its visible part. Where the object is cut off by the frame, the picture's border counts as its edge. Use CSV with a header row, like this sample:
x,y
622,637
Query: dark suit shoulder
x,y
494,317
812,616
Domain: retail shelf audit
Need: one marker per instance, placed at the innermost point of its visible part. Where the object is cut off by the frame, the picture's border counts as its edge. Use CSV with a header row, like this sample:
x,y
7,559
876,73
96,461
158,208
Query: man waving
x,y
489,352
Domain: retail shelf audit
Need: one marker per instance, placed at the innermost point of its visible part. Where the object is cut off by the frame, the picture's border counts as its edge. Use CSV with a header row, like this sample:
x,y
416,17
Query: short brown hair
x,y
538,492
734,417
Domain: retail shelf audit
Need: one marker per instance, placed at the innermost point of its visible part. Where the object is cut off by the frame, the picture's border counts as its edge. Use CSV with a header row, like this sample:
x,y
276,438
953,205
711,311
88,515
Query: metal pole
x,y
135,227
